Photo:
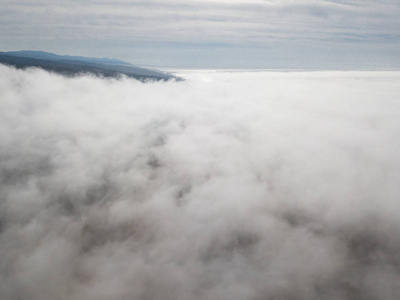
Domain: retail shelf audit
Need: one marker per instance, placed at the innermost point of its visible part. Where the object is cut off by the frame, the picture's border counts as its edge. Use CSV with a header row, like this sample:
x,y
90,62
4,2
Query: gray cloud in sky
x,y
240,185
365,31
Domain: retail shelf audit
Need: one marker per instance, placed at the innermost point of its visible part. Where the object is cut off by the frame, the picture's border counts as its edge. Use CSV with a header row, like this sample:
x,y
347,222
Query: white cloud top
x,y
240,185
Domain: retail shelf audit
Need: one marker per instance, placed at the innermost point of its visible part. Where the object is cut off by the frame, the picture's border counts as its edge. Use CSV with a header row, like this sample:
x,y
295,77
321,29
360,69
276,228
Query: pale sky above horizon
x,y
342,34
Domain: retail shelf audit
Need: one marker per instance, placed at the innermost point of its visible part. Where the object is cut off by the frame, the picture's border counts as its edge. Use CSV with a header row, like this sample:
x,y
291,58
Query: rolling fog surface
x,y
243,185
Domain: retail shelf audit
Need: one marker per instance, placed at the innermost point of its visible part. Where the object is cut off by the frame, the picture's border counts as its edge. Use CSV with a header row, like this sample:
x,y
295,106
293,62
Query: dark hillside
x,y
74,66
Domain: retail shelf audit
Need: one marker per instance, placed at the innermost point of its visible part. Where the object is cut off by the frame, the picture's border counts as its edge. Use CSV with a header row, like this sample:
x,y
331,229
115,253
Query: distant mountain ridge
x,y
52,56
77,65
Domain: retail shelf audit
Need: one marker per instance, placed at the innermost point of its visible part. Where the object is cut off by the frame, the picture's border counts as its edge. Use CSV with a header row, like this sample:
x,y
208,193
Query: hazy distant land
x,y
78,65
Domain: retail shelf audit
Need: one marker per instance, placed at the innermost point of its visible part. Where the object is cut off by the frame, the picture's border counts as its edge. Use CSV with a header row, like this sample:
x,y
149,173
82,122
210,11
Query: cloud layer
x,y
257,34
246,185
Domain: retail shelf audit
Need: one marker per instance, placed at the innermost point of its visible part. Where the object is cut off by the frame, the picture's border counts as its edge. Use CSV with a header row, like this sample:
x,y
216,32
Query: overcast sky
x,y
342,34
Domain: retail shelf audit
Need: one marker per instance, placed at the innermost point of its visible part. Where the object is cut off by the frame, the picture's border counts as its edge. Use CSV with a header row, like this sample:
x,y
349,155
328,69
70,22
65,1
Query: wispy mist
x,y
256,185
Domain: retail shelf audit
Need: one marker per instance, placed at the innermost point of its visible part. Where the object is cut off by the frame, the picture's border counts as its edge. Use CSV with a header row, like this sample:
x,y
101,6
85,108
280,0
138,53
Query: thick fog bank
x,y
227,186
